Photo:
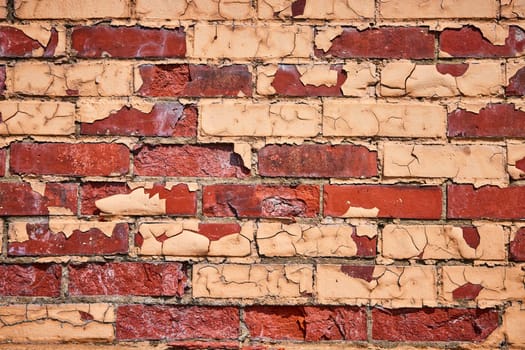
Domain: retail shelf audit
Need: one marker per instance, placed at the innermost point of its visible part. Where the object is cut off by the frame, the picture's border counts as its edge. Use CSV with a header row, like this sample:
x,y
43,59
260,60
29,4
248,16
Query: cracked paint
x,y
328,9
444,242
57,323
397,286
513,8
191,238
252,281
32,40
194,9
405,9
71,9
37,118
515,78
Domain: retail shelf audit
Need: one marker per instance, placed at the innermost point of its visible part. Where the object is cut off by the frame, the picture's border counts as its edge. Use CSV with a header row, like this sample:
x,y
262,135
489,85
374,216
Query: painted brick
x,y
31,41
37,118
469,42
491,202
147,279
513,8
317,161
67,237
156,119
128,42
342,117
306,323
82,159
516,160
119,198
382,42
201,10
516,79
188,160
3,9
495,120
382,201
30,280
24,198
411,9
328,9
434,324
71,9
152,322
194,80
517,245
260,201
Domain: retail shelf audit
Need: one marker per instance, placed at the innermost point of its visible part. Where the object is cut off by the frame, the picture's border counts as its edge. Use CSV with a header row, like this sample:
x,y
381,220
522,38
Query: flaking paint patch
x,y
68,226
91,110
317,75
359,212
138,202
36,118
244,150
38,187
324,37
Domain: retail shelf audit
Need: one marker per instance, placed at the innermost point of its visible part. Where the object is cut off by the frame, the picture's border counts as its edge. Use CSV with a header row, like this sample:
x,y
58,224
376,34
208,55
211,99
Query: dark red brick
x,y
20,199
287,82
144,279
366,246
195,80
2,80
155,322
317,161
3,155
128,42
165,119
392,201
261,201
516,85
491,202
189,160
454,69
215,230
307,323
38,280
364,272
433,324
179,199
384,42
15,43
469,42
203,345
468,291
495,120
471,236
44,242
517,246
81,159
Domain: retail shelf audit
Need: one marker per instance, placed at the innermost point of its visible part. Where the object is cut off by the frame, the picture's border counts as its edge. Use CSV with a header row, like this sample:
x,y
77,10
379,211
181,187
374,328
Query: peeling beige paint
x,y
513,8
38,187
325,35
359,212
68,226
71,9
515,153
137,202
89,110
317,75
37,118
327,9
416,9
59,211
194,9
244,150
361,79
42,33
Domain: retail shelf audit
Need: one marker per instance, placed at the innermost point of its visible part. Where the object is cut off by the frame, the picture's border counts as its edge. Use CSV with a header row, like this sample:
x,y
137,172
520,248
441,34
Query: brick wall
x,y
262,174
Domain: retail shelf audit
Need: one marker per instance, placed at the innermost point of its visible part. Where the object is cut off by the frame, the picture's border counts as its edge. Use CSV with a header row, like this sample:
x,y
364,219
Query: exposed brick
x,y
412,9
306,323
491,202
469,42
382,201
383,42
176,322
71,9
495,120
188,160
83,159
516,86
434,324
164,279
67,237
3,155
43,199
517,246
2,80
164,119
317,161
16,43
194,80
128,42
119,198
287,82
30,280
261,200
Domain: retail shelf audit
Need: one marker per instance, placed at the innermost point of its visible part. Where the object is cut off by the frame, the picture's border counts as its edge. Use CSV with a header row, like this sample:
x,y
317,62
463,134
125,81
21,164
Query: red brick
x,y
21,199
215,231
2,80
287,82
165,119
195,80
517,246
433,324
38,280
454,69
317,161
261,201
152,322
179,199
468,291
128,42
15,43
516,85
204,345
3,155
410,202
145,279
308,323
189,160
489,202
43,242
384,42
469,42
82,159
366,246
494,120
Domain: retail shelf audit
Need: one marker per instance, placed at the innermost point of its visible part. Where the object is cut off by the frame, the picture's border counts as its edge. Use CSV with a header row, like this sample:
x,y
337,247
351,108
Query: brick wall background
x,y
262,174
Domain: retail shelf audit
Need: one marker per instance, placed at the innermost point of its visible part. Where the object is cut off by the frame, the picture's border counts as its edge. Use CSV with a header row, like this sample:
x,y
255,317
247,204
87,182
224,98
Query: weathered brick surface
x,y
37,118
2,79
31,41
70,9
30,280
330,9
517,245
413,9
513,8
3,156
187,9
